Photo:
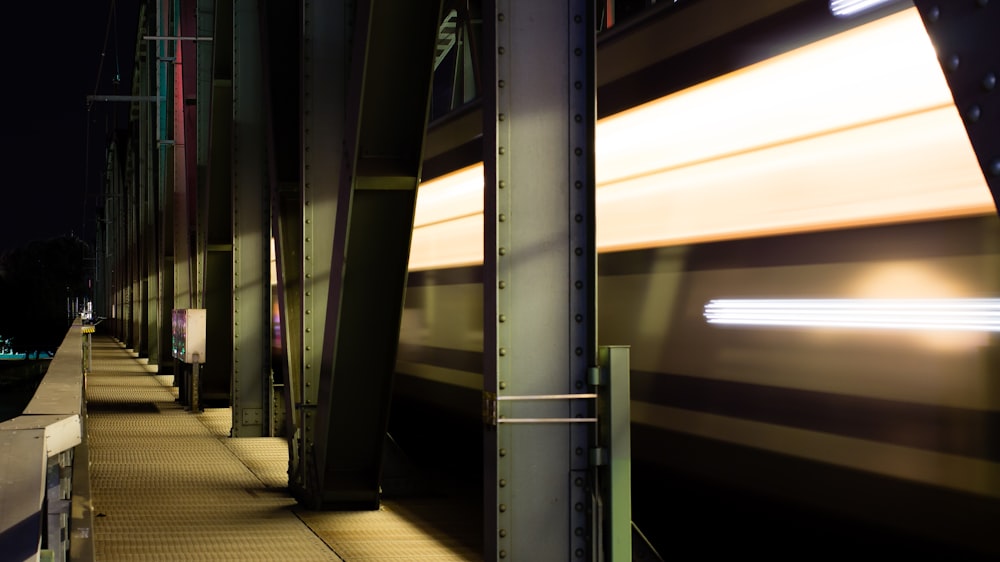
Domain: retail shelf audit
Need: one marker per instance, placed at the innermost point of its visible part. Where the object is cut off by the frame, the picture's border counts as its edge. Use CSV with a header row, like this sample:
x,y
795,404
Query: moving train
x,y
831,186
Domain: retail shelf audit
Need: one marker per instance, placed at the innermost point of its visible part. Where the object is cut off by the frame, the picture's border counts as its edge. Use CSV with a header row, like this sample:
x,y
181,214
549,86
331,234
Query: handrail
x,y
41,487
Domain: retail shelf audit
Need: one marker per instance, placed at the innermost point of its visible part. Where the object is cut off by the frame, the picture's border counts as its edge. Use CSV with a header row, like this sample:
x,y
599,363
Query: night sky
x,y
53,51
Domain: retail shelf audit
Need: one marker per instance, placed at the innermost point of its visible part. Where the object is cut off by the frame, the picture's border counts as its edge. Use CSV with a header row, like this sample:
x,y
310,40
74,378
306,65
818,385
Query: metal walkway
x,y
171,485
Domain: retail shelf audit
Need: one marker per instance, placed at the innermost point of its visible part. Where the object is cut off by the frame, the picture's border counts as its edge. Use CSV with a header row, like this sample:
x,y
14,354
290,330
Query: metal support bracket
x,y
491,416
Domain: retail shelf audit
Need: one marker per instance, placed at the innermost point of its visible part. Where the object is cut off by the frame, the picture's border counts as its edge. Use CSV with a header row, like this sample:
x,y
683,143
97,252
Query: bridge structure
x,y
269,176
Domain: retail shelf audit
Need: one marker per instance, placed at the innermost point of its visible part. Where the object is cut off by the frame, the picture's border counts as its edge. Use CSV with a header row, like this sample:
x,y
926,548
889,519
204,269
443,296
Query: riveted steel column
x,y
539,338
389,95
183,297
116,219
964,34
124,241
217,206
184,179
210,208
134,340
143,83
280,29
164,26
111,249
128,224
204,27
113,252
307,245
186,153
138,343
251,231
124,279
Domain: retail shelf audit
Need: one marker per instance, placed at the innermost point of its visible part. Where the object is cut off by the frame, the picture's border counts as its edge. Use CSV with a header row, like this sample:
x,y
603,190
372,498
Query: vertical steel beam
x,y
114,212
146,76
141,140
189,140
182,144
129,253
281,30
218,205
198,20
135,249
124,278
124,275
540,315
326,33
184,140
164,25
133,199
138,127
111,213
251,231
389,96
204,27
964,35
109,248
101,261
126,225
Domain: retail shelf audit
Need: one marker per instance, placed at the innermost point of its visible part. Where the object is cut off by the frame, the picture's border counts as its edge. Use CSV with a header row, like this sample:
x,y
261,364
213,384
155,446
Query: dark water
x,y
18,382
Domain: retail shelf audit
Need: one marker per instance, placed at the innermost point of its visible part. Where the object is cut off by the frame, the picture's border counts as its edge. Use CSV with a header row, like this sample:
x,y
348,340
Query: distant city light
x,y
980,315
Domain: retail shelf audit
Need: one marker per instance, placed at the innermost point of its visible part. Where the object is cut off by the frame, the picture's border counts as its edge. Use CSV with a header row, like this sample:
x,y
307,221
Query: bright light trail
x,y
980,315
855,130
847,8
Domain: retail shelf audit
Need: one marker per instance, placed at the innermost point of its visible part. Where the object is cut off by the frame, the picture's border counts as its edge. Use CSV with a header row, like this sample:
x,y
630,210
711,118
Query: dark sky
x,y
53,50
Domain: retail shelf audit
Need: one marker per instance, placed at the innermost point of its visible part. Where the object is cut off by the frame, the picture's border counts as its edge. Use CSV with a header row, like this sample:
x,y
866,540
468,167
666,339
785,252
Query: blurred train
x,y
838,171
815,170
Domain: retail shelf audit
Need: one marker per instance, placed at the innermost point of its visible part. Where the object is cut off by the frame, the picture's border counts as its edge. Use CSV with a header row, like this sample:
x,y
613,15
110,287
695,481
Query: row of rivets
x,y
501,285
988,82
581,167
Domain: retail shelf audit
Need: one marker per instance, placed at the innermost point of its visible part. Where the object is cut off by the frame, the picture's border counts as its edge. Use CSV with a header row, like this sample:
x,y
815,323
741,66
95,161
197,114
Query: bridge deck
x,y
171,485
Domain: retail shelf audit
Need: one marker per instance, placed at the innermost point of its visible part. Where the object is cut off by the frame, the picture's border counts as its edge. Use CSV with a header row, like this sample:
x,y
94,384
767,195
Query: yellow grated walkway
x,y
170,485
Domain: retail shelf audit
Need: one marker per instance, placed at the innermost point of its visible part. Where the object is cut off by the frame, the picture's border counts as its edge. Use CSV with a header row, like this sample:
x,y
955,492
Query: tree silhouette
x,y
36,283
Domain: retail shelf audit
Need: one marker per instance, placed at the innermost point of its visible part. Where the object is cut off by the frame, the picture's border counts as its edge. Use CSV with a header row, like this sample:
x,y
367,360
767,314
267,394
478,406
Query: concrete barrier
x,y
44,478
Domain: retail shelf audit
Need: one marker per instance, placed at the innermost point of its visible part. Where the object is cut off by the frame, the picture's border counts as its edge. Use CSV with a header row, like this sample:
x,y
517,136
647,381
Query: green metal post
x,y
614,436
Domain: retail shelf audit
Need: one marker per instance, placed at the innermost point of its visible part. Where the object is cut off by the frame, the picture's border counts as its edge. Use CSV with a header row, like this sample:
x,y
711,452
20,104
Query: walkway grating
x,y
170,485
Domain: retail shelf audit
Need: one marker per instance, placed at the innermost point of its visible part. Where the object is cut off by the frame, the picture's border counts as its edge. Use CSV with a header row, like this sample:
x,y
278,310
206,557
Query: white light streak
x,y
848,8
979,315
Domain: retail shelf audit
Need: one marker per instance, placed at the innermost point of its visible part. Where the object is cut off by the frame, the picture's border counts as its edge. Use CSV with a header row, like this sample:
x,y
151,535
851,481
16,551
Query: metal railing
x,y
44,479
